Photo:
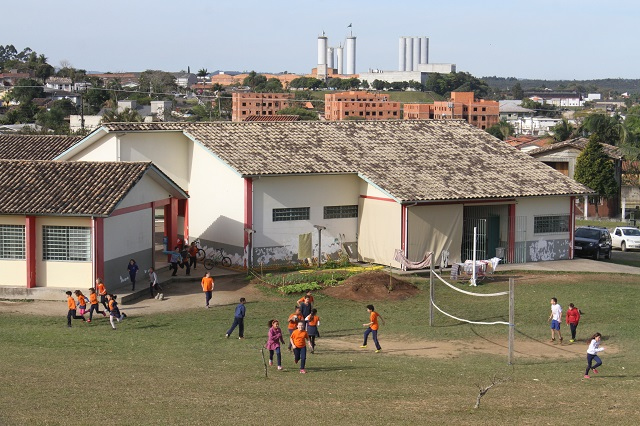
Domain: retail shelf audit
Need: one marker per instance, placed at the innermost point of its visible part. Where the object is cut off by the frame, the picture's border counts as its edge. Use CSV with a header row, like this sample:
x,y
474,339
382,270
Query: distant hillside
x,y
619,85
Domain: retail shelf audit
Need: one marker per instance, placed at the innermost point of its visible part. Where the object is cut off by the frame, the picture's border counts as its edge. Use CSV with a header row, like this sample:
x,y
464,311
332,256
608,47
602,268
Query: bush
x,y
300,288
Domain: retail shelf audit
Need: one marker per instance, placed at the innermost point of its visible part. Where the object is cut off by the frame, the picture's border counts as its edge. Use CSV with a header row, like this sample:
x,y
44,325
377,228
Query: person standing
x,y
592,355
154,284
102,292
133,270
193,255
313,321
274,339
372,327
207,287
93,300
305,308
555,317
573,318
299,340
71,314
238,319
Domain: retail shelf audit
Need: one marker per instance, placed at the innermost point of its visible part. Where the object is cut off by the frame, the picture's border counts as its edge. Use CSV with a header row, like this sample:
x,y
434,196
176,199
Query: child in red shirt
x,y
299,340
573,318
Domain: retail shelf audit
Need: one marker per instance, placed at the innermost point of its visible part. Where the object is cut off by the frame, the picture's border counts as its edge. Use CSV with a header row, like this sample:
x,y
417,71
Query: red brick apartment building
x,y
263,104
360,105
462,105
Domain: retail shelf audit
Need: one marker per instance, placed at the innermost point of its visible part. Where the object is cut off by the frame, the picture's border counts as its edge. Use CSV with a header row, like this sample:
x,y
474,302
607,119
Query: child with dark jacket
x,y
238,319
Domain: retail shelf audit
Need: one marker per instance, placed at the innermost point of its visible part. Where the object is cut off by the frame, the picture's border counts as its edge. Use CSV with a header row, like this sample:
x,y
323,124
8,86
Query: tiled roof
x,y
429,160
272,118
578,143
73,188
34,147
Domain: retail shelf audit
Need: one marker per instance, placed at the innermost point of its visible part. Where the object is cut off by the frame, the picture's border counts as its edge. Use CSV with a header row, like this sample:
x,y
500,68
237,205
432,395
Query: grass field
x,y
179,369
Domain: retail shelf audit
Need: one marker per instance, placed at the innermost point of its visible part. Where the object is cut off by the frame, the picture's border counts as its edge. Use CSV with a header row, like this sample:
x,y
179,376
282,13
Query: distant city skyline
x,y
551,40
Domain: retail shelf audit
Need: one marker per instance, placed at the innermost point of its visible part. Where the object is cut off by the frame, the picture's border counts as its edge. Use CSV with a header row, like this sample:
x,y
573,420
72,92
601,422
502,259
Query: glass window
x,y
68,243
339,212
12,242
550,224
294,213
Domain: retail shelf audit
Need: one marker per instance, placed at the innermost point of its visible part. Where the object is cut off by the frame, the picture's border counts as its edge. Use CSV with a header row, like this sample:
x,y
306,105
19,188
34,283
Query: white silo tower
x,y
416,53
340,58
330,58
401,54
408,63
424,50
322,50
351,55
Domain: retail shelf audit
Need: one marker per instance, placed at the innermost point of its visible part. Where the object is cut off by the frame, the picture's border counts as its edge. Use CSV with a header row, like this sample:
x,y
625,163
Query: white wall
x,y
282,238
145,191
104,149
128,233
552,246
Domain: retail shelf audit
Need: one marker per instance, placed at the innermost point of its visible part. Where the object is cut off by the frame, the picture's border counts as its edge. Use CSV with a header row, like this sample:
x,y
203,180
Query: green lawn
x,y
177,368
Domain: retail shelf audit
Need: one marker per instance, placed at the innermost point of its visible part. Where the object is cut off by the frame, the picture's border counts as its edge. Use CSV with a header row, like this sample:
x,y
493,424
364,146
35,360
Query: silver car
x,y
625,238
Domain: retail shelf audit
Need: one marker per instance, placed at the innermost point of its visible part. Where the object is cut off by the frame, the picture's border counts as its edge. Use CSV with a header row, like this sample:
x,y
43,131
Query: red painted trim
x,y
132,209
403,229
572,224
186,220
377,198
171,224
98,246
160,203
248,211
511,240
30,246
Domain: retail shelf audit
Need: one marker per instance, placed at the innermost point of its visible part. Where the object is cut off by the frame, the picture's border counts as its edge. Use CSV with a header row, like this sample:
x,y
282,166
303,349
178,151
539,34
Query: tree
x,y
365,85
563,130
25,90
501,130
595,170
610,130
54,118
158,82
202,72
253,80
94,100
517,92
378,84
126,116
304,114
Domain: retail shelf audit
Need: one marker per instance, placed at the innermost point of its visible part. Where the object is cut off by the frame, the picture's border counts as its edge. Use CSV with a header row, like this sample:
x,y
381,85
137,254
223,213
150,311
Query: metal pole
x,y
512,317
473,265
431,295
319,228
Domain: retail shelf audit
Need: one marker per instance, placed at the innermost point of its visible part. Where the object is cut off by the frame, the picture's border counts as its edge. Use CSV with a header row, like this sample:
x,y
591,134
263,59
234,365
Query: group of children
x,y
572,320
80,306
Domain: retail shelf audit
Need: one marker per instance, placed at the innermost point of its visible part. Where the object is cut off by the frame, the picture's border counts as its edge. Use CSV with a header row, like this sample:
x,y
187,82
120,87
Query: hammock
x,y
408,264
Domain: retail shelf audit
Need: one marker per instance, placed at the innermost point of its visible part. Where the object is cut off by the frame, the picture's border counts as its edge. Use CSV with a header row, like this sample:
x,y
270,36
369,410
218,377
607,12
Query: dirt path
x,y
178,297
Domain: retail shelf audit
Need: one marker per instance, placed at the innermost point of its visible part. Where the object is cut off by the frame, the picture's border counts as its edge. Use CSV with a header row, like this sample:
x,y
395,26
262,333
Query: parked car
x,y
626,237
592,241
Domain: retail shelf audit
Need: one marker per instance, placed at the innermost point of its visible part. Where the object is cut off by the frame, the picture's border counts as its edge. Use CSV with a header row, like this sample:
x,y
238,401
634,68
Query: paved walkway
x,y
575,265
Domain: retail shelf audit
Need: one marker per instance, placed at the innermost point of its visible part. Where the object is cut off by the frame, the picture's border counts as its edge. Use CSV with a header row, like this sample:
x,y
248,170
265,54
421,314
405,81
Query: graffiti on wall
x,y
542,249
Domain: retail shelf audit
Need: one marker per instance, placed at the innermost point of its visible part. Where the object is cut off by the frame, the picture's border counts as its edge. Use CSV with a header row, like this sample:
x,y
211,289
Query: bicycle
x,y
216,258
201,255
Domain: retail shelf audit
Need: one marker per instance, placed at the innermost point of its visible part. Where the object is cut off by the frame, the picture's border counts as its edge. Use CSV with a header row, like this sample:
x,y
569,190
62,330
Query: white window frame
x,y
66,243
12,242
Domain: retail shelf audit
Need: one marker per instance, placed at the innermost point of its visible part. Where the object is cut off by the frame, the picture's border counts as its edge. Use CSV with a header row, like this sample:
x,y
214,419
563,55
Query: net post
x,y
512,322
431,294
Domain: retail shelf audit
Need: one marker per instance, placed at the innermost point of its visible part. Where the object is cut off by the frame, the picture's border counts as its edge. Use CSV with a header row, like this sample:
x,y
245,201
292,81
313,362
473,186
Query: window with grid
x,y
340,212
12,242
549,224
294,213
70,243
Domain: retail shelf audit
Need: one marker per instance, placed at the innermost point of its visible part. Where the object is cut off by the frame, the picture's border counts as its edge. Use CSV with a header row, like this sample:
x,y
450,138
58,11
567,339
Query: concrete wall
x,y
541,247
394,76
14,272
104,149
278,242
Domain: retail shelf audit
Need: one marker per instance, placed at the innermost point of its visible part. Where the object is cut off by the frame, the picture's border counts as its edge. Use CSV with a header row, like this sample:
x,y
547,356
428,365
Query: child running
x,y
93,300
238,319
293,321
102,292
573,318
372,327
71,304
592,354
274,339
299,340
114,311
82,303
313,321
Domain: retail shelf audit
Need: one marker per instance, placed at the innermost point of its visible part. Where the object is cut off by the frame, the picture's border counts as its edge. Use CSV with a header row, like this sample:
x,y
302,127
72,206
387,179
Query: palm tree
x,y
203,72
125,116
610,130
562,131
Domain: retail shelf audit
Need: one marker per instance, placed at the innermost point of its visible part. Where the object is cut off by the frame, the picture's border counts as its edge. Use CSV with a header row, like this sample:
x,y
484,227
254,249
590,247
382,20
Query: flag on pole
x,y
349,26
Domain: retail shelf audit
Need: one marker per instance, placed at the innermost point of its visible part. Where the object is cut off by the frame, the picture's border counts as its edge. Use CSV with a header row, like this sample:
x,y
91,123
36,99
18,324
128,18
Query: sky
x,y
543,39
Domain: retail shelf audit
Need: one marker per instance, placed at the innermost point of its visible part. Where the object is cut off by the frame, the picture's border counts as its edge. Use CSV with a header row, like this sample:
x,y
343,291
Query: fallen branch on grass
x,y
484,389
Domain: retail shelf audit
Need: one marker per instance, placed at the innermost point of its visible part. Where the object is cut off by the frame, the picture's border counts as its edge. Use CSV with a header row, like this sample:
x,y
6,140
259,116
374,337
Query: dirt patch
x,y
372,286
452,349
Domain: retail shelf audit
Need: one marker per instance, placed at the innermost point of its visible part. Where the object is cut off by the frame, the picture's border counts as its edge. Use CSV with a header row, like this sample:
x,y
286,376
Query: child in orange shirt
x,y
293,321
71,304
207,288
372,327
93,300
102,292
82,302
114,311
299,340
313,321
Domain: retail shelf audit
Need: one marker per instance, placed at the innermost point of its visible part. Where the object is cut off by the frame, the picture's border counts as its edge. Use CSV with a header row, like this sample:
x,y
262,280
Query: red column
x,y
572,224
185,212
511,240
248,212
30,246
98,246
171,224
